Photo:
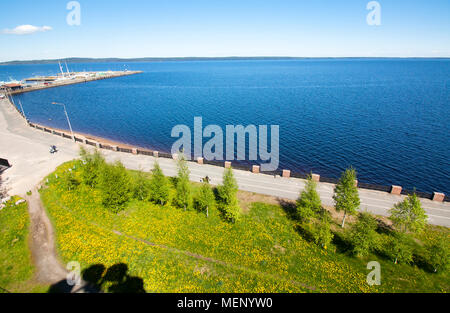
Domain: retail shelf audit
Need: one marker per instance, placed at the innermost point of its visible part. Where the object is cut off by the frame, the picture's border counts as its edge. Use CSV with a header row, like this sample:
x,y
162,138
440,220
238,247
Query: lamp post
x,y
67,116
23,112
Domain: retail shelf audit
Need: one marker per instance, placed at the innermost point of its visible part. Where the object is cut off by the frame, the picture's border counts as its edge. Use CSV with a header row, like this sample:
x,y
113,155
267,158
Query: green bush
x,y
69,182
183,195
409,215
141,186
159,186
318,230
346,194
363,235
309,204
399,248
228,202
322,233
114,184
204,199
92,167
438,253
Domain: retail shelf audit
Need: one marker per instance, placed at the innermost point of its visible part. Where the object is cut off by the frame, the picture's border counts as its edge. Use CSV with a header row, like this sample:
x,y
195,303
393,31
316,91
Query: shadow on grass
x,y
342,243
290,208
383,228
100,279
304,232
420,261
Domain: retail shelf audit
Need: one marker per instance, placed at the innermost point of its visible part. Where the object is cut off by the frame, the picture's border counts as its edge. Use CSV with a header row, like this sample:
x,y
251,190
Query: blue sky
x,y
180,28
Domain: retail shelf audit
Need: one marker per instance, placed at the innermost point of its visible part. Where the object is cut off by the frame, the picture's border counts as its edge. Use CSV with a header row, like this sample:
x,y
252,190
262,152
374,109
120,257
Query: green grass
x,y
16,268
176,251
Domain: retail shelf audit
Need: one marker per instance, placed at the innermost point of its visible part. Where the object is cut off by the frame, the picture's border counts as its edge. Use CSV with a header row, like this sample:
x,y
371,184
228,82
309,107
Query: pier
x,y
71,79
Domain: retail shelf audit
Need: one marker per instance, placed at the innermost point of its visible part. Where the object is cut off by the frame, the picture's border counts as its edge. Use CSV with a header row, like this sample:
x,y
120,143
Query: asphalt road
x,y
27,149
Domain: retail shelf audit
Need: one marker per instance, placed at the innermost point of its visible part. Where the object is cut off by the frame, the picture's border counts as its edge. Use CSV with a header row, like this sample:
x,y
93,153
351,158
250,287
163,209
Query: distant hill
x,y
115,60
152,59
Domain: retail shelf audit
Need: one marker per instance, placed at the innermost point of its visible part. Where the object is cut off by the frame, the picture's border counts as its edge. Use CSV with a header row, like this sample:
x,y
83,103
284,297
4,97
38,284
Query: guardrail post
x,y
286,173
396,190
315,177
439,197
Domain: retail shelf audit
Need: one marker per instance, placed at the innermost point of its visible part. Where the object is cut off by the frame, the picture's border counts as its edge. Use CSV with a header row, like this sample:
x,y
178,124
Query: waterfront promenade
x,y
27,149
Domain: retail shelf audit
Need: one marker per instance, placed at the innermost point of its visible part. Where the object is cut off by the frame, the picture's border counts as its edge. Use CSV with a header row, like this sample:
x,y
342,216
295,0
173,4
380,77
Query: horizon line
x,y
133,59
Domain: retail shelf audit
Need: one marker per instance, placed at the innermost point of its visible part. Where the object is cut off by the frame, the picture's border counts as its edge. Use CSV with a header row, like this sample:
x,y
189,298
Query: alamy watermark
x,y
73,278
234,139
74,16
374,277
374,16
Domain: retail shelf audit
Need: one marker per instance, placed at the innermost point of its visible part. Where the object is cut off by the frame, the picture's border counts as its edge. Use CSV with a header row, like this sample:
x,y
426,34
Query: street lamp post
x,y
68,120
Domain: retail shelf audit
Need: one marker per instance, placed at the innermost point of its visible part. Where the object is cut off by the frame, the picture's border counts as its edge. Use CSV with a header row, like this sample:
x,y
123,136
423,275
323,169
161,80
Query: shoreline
x,y
28,151
117,146
108,144
90,137
100,142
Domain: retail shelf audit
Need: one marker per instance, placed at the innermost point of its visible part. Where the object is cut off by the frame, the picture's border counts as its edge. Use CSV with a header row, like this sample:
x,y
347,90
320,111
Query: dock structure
x,y
74,78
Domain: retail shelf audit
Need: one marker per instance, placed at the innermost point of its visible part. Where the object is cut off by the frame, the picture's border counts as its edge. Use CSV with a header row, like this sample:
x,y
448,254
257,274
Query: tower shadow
x,y
97,278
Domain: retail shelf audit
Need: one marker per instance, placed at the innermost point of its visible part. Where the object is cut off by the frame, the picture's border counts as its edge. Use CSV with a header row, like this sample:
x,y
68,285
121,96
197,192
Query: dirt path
x,y
49,269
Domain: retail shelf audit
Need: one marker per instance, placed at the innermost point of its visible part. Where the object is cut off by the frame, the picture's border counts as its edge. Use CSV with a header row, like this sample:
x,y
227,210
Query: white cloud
x,y
26,30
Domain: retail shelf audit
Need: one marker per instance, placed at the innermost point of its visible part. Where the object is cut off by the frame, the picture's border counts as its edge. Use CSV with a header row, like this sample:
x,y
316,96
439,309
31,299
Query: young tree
x,y
322,233
68,181
346,194
400,248
309,203
228,203
92,165
438,253
159,186
183,191
141,186
205,198
409,215
114,183
363,235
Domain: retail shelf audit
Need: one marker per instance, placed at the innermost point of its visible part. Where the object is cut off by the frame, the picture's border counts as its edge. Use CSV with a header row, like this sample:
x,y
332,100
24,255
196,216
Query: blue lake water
x,y
388,118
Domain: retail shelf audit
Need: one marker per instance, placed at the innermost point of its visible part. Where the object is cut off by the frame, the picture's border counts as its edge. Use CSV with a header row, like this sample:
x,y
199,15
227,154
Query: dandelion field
x,y
173,250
